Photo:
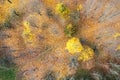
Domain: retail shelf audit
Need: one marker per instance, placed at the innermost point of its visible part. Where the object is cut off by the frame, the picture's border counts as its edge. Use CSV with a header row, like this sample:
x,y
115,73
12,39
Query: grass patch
x,y
8,70
8,73
83,74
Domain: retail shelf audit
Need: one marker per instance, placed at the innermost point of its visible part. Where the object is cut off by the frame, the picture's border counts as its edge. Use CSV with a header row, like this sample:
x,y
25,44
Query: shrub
x,y
86,54
69,30
27,33
62,10
73,45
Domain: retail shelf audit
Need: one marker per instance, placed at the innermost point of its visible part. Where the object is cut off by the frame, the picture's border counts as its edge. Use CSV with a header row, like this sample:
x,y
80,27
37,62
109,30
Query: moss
x,y
27,33
70,30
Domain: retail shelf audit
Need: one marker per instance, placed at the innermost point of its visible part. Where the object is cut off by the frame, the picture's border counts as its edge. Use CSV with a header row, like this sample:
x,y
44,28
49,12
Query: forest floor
x,y
45,55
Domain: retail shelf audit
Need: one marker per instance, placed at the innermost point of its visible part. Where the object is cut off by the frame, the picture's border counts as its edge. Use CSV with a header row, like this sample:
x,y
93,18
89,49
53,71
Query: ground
x,y
32,35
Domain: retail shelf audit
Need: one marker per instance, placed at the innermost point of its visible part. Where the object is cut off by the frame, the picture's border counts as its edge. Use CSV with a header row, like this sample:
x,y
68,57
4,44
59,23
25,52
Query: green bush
x,y
8,74
83,74
69,30
8,69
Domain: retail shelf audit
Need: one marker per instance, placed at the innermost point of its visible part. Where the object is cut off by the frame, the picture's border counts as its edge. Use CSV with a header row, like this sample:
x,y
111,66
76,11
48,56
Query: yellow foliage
x,y
5,9
116,35
27,33
86,54
118,48
62,10
79,7
73,45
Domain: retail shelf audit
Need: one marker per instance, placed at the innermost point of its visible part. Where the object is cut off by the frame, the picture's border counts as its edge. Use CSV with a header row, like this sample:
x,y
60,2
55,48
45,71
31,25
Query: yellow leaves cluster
x,y
62,10
73,45
79,7
86,54
116,35
5,9
27,33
